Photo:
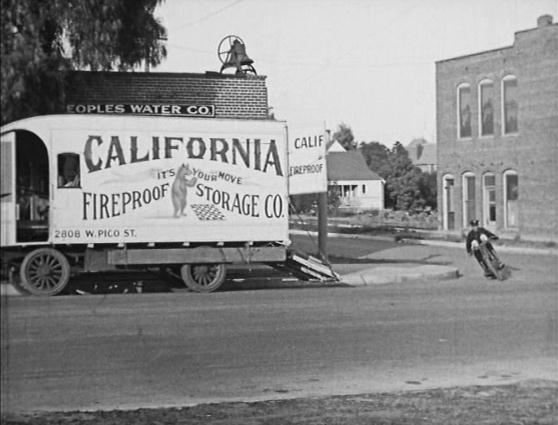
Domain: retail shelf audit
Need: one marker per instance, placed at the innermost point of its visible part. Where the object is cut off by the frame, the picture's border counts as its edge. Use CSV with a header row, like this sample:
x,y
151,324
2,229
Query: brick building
x,y
226,95
497,131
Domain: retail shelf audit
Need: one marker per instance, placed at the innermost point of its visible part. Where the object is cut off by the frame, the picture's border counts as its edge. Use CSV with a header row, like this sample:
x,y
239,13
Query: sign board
x,y
307,162
133,179
200,111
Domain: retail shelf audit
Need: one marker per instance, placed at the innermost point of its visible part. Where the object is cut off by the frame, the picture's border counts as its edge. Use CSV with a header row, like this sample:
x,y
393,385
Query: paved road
x,y
177,349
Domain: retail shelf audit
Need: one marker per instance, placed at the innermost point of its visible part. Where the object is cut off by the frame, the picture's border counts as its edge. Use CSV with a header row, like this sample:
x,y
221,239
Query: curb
x,y
389,274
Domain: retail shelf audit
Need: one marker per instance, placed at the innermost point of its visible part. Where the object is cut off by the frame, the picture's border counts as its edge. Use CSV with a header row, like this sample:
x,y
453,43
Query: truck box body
x,y
132,179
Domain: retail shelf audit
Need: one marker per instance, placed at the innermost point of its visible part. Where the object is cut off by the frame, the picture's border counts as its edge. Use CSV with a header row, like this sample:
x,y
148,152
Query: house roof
x,y
335,146
421,154
348,165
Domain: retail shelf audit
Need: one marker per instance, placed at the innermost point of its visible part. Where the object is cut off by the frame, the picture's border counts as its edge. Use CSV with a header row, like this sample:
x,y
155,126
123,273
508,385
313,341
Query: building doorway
x,y
469,204
448,217
511,195
31,188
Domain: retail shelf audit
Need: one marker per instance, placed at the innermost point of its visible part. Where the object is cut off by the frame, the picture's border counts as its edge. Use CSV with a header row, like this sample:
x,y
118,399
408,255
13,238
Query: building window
x,y
363,189
469,205
68,170
345,190
486,108
348,190
511,195
489,200
464,111
510,105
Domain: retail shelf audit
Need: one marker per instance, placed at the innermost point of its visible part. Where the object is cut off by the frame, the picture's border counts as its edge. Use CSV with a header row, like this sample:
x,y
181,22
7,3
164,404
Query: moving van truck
x,y
84,193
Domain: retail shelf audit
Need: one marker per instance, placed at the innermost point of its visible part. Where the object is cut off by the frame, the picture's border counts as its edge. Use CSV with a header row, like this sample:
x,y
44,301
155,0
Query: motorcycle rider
x,y
475,237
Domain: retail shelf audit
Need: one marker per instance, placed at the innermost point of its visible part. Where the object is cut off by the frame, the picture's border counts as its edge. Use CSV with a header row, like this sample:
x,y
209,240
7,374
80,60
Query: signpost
x,y
307,162
308,173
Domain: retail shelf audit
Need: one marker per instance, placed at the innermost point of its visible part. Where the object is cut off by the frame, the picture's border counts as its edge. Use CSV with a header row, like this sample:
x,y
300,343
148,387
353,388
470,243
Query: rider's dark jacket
x,y
475,235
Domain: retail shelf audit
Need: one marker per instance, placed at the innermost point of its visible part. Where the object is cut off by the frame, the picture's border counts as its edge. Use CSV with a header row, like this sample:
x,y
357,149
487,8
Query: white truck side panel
x,y
160,179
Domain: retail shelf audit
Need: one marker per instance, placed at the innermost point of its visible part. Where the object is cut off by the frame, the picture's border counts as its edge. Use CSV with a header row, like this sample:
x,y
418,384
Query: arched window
x,y
511,196
464,111
489,200
468,193
510,107
486,108
448,203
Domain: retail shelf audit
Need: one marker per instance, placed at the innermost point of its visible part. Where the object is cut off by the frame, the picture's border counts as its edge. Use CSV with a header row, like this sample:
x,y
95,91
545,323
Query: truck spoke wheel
x,y
44,271
203,277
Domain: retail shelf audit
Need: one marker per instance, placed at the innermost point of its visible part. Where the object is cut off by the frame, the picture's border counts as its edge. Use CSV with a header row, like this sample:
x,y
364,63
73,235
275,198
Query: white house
x,y
360,188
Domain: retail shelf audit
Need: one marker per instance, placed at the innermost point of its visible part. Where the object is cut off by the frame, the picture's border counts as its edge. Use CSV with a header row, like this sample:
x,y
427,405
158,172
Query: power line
x,y
209,15
327,65
313,64
192,49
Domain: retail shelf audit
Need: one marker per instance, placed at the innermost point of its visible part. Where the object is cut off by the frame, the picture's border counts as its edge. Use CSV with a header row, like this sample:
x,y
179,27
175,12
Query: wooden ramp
x,y
306,267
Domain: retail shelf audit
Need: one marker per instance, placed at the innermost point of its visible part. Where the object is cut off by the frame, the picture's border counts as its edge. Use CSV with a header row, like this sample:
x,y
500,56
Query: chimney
x,y
544,21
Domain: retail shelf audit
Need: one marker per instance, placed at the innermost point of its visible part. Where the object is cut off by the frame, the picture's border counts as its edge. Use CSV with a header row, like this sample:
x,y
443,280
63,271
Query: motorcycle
x,y
492,263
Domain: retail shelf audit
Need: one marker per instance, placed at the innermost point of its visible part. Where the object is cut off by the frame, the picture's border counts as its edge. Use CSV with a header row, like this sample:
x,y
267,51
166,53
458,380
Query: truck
x,y
94,193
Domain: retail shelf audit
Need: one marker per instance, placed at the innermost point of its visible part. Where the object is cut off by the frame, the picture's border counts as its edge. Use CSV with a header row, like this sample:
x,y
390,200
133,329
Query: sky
x,y
367,63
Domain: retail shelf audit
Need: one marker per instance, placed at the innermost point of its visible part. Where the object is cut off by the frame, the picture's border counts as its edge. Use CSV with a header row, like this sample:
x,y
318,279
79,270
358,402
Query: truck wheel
x,y
44,272
203,277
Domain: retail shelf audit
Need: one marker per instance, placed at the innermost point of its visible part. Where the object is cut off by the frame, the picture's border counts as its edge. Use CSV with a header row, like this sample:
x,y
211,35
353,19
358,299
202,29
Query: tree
x,y
344,135
407,187
376,156
333,198
304,203
402,182
41,40
428,189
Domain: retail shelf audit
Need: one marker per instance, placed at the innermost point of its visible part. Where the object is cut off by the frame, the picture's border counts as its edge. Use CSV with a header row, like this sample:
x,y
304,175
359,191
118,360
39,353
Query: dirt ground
x,y
529,402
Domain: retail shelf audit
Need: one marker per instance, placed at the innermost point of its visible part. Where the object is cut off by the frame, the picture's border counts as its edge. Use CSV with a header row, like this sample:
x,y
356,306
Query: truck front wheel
x,y
203,277
44,271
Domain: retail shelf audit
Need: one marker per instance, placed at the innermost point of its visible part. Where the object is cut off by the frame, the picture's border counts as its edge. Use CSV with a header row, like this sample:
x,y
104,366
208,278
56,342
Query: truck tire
x,y
44,272
203,277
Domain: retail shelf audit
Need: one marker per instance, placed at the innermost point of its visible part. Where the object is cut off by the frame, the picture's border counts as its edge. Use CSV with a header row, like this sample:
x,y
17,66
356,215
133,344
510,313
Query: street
x,y
160,349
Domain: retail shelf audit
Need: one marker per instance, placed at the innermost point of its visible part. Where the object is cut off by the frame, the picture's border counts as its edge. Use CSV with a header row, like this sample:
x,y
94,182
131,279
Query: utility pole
x,y
322,211
322,224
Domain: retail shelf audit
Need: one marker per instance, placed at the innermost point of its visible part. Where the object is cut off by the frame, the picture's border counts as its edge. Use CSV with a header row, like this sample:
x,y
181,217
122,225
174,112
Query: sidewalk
x,y
397,273
403,263
433,242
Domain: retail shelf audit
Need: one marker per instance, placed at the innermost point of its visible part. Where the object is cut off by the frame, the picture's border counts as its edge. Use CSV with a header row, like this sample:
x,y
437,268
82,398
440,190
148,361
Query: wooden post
x,y
322,209
322,224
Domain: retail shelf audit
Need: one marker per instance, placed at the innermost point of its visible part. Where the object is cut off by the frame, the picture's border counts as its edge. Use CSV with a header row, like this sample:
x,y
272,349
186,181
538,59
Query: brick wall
x,y
532,152
239,97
